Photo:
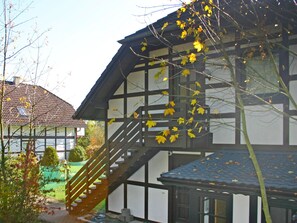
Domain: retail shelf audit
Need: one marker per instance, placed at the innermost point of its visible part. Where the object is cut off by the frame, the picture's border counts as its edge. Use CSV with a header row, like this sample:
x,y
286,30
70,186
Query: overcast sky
x,y
83,38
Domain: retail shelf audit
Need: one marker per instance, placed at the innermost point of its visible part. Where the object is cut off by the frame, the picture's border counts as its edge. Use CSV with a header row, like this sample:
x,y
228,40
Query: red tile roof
x,y
44,107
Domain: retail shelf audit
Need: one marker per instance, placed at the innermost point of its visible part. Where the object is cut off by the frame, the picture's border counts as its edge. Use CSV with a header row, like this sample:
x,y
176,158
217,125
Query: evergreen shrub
x,y
77,154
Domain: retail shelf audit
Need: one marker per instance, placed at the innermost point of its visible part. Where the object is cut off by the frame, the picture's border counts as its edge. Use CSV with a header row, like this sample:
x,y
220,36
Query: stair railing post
x,y
108,158
68,198
87,178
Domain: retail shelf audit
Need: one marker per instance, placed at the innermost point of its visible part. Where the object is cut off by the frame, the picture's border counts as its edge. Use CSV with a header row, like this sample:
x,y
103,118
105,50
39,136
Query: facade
x,y
175,182
32,113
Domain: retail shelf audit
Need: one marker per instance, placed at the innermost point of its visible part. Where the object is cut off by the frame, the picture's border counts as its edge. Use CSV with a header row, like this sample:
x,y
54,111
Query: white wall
x,y
157,165
116,200
241,208
135,82
265,127
138,175
293,131
115,108
158,205
223,130
135,200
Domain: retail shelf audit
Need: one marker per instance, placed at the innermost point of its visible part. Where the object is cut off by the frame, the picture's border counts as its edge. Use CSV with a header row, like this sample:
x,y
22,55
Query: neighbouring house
x,y
208,178
32,113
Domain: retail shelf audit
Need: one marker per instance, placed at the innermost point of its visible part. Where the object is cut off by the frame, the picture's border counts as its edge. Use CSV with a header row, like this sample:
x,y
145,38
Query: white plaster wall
x,y
50,131
120,90
26,131
50,142
138,175
15,145
216,68
293,91
80,131
116,108
241,208
220,100
135,82
157,84
158,205
133,103
158,99
157,165
223,130
264,125
113,127
116,200
135,200
293,131
293,60
159,52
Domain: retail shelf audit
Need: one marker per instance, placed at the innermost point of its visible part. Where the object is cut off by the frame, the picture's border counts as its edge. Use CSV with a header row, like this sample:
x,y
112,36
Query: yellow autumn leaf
x,y
160,139
8,99
166,132
186,72
169,111
183,9
192,57
184,34
200,29
152,63
180,121
111,121
164,25
175,129
198,84
135,115
201,110
216,111
200,129
198,45
172,103
190,120
193,102
193,110
173,138
165,93
196,93
165,78
150,123
184,60
191,134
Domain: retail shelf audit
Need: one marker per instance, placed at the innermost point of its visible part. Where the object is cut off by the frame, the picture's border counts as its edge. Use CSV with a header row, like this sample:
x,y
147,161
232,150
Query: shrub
x,y
77,154
50,157
91,149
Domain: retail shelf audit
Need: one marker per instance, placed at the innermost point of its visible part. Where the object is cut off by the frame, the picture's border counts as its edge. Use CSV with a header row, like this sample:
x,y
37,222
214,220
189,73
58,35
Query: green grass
x,y
58,188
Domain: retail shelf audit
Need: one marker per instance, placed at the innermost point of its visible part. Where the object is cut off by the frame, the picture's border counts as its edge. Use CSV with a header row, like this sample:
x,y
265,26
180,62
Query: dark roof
x,y
49,109
234,168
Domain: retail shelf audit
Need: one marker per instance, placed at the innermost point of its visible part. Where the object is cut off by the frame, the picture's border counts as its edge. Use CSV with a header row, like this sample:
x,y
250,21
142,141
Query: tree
x,y
207,25
20,197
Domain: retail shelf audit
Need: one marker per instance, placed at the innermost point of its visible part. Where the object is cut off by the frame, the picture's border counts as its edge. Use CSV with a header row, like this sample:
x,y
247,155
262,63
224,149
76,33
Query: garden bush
x,y
77,154
91,149
50,157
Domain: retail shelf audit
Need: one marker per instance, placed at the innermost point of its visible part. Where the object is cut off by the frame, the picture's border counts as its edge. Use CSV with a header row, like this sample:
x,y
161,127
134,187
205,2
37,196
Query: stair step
x,y
74,204
97,183
120,162
83,196
78,201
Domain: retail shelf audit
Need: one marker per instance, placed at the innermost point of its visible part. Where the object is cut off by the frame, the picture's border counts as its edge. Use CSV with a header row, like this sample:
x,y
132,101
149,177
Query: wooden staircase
x,y
113,163
131,146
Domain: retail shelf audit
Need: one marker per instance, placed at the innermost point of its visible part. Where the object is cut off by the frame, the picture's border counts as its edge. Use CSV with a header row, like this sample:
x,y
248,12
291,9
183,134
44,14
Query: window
x,y
262,75
194,206
22,111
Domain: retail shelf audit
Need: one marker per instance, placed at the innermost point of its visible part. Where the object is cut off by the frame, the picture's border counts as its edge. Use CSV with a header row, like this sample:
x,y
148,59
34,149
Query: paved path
x,y
59,214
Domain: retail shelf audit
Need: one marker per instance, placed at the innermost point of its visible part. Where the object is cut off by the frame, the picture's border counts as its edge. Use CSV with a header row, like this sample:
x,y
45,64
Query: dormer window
x,y
23,111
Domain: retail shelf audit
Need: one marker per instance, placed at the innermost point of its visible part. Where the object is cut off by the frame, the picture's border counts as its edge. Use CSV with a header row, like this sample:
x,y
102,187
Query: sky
x,y
83,38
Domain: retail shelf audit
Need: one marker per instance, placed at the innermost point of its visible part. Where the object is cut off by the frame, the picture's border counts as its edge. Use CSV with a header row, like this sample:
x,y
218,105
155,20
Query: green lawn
x,y
58,188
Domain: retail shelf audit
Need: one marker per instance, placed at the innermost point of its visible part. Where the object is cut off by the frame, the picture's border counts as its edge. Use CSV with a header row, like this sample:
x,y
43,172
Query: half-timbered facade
x,y
31,113
141,174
